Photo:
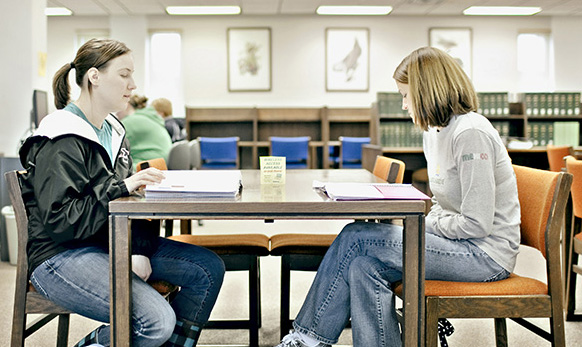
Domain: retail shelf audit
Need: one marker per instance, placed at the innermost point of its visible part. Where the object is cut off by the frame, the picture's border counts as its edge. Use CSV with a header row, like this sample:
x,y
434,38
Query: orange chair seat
x,y
513,285
228,243
300,243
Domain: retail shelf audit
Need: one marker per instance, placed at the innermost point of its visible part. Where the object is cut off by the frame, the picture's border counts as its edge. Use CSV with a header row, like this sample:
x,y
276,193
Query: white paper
x,y
197,183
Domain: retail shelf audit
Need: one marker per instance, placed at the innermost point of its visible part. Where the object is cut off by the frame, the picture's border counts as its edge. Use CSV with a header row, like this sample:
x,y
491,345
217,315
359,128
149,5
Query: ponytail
x,y
61,88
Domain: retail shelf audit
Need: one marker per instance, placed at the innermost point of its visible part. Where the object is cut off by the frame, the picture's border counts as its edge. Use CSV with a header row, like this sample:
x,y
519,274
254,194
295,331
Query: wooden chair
x,y
542,196
573,238
26,299
304,252
556,156
389,169
240,252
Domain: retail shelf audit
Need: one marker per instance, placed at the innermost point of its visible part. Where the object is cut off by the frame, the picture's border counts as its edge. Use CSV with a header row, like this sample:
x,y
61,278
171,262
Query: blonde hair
x,y
163,106
439,88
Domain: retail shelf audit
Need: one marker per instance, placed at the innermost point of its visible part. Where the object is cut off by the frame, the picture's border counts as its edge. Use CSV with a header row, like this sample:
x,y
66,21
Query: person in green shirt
x,y
145,131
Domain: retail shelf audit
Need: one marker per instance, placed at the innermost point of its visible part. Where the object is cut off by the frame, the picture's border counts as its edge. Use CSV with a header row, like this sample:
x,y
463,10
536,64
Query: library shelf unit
x,y
254,126
516,124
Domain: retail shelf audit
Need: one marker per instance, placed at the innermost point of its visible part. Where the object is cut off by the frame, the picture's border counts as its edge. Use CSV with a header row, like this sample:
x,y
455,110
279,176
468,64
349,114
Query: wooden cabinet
x,y
254,126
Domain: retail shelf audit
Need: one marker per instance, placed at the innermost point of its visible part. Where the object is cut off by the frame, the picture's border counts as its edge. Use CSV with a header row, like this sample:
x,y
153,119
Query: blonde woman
x,y
472,229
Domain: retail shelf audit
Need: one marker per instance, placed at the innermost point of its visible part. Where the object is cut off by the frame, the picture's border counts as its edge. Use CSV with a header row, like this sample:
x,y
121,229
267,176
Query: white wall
x,y
298,53
23,33
567,32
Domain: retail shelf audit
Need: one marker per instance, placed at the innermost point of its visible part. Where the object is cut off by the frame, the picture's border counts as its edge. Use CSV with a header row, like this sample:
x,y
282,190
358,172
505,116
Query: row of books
x,y
556,133
493,104
400,134
390,105
552,104
502,128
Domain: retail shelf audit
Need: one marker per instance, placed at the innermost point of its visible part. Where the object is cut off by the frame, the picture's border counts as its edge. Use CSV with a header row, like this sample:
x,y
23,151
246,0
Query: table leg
x,y
120,280
413,281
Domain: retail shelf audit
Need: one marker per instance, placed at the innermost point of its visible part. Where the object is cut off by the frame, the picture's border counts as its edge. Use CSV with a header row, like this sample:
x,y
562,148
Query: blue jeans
x,y
355,277
78,279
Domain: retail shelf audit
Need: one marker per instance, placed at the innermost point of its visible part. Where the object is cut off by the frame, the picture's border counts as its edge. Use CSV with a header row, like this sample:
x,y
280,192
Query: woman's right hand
x,y
150,175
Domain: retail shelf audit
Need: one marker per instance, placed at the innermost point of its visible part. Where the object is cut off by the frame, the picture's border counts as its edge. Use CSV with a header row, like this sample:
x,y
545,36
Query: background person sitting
x,y
174,126
145,131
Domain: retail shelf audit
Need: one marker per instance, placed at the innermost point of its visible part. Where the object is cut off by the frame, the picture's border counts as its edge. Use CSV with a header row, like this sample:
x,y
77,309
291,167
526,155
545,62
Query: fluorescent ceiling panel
x,y
354,10
57,11
203,10
501,11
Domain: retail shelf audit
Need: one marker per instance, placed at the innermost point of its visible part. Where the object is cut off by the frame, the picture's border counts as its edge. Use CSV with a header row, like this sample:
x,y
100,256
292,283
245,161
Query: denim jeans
x,y
355,277
78,279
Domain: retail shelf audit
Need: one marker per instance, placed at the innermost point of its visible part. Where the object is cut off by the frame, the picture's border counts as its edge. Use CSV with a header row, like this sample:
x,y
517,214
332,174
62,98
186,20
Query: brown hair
x,y
94,53
163,106
138,101
439,88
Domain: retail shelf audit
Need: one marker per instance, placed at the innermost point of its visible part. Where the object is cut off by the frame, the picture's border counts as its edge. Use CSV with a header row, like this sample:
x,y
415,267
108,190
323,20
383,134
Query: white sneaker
x,y
293,339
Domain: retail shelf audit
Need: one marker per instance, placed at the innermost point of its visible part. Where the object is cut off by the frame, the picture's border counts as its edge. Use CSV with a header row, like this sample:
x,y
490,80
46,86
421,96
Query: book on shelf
x,y
493,103
558,104
339,191
400,133
390,105
196,184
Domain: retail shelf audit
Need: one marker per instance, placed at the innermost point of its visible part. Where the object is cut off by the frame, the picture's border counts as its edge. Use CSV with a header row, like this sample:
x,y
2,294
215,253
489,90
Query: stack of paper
x,y
181,184
373,191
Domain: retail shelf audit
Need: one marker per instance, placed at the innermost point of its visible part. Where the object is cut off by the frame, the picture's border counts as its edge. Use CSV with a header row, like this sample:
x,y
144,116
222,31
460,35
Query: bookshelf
x,y
254,126
541,117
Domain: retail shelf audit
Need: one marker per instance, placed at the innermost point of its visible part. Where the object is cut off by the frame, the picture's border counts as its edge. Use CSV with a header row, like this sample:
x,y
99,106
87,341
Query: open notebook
x,y
196,184
372,191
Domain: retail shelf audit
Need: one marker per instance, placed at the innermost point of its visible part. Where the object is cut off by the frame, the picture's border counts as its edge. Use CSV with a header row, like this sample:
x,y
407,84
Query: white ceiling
x,y
305,7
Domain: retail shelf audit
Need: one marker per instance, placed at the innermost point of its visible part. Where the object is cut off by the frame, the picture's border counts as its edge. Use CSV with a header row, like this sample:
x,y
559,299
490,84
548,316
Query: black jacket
x,y
68,186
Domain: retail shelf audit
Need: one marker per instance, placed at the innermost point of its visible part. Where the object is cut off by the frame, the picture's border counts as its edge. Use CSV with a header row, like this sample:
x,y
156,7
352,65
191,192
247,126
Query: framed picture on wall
x,y
457,42
249,59
347,59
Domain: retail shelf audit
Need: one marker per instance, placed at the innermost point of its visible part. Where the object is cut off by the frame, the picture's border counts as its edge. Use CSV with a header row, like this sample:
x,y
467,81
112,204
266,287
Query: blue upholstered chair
x,y
219,153
351,151
294,149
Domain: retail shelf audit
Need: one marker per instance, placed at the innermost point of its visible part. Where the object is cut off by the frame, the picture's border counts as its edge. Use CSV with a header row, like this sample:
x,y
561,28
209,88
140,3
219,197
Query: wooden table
x,y
295,200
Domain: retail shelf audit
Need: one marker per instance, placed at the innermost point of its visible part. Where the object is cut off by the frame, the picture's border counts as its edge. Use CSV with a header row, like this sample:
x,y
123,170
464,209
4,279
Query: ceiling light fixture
x,y
501,11
354,10
203,10
57,11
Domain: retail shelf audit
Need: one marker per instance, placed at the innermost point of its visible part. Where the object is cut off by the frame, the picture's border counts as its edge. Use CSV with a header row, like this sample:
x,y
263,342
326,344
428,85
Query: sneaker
x,y
293,339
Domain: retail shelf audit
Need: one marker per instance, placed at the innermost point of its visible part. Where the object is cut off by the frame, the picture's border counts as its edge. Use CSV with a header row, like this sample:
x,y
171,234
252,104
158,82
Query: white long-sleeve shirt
x,y
474,187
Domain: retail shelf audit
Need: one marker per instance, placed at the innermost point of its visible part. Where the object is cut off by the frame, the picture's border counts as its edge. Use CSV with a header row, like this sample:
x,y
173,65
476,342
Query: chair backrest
x,y
574,166
195,160
389,169
351,150
219,152
158,163
556,156
543,196
179,157
15,193
294,149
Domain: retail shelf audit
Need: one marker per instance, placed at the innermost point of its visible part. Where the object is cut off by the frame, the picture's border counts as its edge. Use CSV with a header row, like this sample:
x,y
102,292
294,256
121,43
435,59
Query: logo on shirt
x,y
124,155
473,156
